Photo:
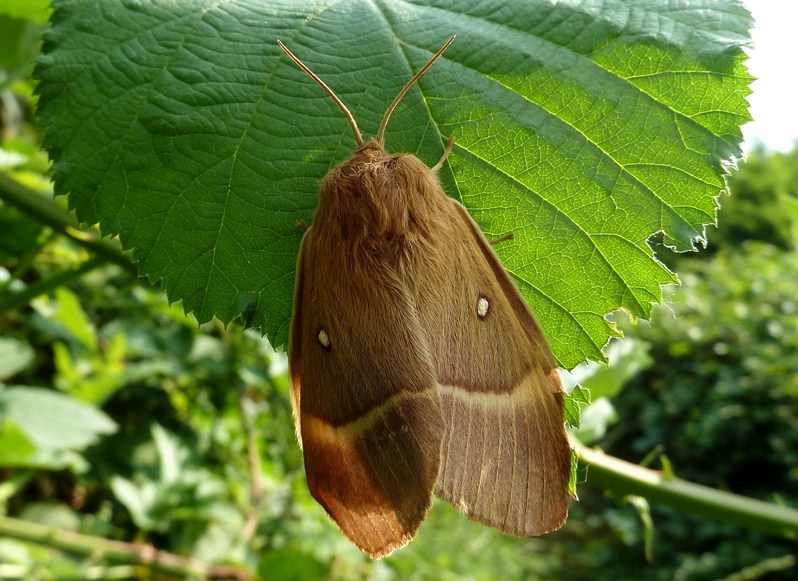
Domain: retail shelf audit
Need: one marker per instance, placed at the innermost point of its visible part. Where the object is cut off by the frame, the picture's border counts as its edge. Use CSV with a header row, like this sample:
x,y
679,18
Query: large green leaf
x,y
581,127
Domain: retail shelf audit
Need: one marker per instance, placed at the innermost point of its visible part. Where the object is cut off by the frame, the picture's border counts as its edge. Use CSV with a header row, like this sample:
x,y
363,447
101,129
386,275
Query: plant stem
x,y
15,300
624,478
117,551
50,213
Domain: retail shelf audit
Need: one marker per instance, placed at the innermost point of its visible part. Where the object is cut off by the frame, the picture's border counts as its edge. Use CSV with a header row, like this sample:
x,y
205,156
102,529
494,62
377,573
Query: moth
x,y
416,367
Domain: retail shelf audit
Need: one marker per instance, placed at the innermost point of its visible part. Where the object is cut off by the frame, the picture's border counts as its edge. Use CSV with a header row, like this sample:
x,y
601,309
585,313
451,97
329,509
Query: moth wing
x,y
294,336
505,457
365,399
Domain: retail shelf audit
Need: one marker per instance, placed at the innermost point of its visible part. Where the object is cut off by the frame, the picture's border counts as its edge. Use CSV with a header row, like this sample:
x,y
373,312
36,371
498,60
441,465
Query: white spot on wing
x,y
324,339
483,306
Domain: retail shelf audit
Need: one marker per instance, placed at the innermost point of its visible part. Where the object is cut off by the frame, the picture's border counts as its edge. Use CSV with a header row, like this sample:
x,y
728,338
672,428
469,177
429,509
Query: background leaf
x,y
14,357
581,128
51,420
36,10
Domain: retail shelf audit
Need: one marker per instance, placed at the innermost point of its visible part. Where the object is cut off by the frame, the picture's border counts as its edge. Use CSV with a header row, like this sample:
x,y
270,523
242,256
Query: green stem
x,y
15,300
117,551
48,212
623,478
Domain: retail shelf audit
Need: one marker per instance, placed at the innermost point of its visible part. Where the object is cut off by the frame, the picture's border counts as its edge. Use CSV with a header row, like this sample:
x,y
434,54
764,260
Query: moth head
x,y
380,138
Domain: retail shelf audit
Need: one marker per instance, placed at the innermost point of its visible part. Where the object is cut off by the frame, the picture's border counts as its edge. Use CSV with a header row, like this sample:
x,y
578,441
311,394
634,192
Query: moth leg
x,y
447,151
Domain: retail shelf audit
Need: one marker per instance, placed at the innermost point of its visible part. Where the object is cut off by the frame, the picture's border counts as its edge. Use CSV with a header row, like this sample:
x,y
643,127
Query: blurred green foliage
x,y
759,208
122,419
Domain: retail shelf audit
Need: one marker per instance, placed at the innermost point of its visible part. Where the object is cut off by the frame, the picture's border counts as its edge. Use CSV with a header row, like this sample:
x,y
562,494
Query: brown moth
x,y
416,366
